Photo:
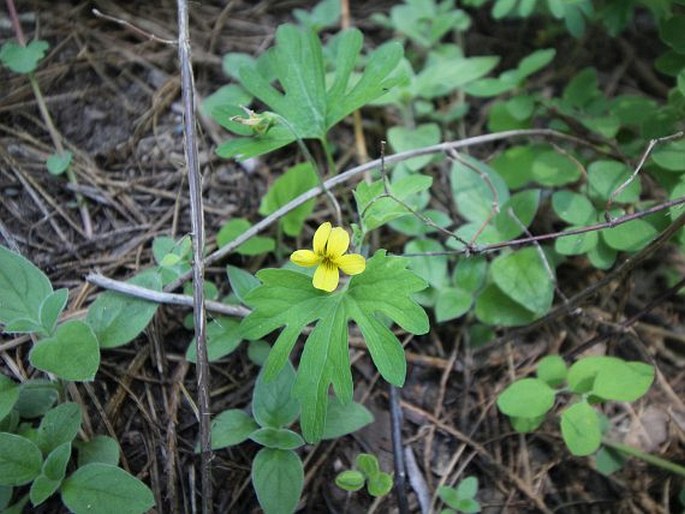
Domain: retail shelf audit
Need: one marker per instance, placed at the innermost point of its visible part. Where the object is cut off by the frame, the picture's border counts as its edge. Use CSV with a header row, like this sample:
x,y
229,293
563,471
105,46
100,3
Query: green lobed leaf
x,y
112,489
278,438
100,448
580,429
256,245
23,288
58,426
523,277
231,427
20,460
324,14
288,299
242,282
116,318
71,353
526,398
291,184
343,419
278,479
23,59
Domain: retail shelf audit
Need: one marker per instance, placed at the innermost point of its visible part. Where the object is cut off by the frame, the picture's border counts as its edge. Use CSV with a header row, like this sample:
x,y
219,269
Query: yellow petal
x,y
321,237
326,276
305,258
352,264
338,242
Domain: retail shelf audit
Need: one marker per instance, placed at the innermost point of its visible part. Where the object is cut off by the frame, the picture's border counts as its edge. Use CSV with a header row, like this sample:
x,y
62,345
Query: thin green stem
x,y
646,457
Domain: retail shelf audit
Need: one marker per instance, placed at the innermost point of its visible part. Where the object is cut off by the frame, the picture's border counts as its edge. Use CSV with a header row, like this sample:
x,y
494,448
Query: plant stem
x,y
646,457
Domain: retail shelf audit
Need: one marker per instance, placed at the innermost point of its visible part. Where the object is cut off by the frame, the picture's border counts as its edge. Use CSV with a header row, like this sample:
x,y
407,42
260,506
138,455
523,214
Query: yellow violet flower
x,y
329,246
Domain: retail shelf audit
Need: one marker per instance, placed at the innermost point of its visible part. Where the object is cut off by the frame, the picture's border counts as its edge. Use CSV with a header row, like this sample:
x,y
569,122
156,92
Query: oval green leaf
x,y
526,398
580,429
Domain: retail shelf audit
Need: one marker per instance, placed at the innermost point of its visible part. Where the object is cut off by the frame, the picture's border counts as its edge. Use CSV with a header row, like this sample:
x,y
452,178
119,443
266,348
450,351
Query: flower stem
x,y
646,457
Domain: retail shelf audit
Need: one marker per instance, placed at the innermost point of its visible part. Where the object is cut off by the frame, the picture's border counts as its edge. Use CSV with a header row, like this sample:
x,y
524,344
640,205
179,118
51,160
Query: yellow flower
x,y
329,246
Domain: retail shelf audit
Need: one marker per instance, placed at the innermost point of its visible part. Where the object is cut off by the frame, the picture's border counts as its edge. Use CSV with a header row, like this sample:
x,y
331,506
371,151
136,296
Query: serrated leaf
x,y
23,59
71,353
526,398
23,288
256,245
291,184
523,277
288,299
580,429
20,460
231,427
278,479
116,318
112,489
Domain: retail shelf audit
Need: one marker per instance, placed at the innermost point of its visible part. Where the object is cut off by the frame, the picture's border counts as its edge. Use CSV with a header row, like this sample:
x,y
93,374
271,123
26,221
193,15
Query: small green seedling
x,y
461,498
366,472
589,381
277,471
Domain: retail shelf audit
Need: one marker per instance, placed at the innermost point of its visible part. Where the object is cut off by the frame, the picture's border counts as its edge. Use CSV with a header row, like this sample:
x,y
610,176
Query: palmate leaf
x,y
304,101
287,299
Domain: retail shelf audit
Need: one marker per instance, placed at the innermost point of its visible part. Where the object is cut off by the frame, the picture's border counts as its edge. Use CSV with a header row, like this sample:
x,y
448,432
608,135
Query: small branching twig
x,y
637,169
135,29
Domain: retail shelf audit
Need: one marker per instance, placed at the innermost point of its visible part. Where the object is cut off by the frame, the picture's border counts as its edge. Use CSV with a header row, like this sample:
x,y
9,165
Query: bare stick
x,y
197,222
132,27
160,297
637,169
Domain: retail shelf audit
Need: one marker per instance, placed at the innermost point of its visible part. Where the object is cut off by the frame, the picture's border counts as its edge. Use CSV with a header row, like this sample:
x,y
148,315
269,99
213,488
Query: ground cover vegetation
x,y
442,270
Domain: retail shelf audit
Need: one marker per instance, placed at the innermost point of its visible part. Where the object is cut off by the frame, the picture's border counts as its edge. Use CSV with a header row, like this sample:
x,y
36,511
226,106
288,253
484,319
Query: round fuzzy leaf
x,y
117,319
573,208
523,277
402,139
622,381
9,394
278,438
605,177
278,479
526,398
110,488
552,370
551,168
493,307
343,419
452,303
231,427
379,484
58,163
20,460
72,353
350,480
577,244
580,429
631,236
